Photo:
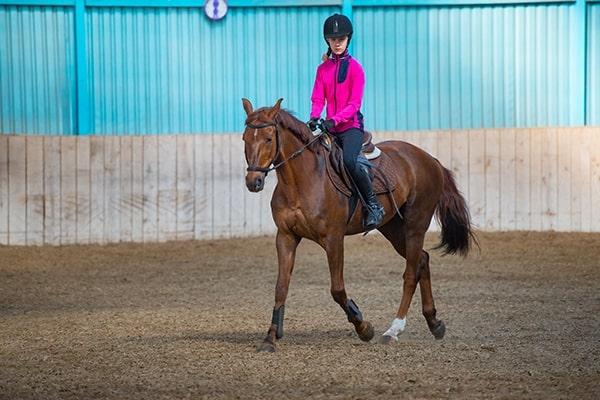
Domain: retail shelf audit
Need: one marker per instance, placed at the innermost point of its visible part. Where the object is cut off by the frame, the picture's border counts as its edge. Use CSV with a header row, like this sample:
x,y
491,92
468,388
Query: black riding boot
x,y
373,209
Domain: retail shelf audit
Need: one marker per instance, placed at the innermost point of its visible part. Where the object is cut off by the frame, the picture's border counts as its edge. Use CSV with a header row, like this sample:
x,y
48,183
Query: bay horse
x,y
306,204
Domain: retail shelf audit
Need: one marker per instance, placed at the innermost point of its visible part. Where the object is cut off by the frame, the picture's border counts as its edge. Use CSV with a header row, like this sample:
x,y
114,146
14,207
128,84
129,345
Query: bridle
x,y
268,169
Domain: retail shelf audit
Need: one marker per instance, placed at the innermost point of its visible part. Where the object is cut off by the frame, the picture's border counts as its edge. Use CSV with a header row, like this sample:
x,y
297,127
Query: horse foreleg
x,y
335,259
286,254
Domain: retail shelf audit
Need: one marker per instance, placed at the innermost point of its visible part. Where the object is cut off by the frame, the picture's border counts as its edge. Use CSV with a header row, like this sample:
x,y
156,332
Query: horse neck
x,y
303,172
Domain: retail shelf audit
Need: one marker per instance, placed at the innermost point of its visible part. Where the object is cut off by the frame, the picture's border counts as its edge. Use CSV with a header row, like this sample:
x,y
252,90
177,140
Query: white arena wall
x,y
105,189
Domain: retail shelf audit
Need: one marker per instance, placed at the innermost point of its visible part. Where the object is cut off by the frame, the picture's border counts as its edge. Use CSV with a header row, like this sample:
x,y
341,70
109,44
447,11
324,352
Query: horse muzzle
x,y
255,181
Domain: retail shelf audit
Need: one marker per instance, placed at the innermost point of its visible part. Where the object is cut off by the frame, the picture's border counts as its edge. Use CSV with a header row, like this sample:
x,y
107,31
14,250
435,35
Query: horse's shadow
x,y
299,337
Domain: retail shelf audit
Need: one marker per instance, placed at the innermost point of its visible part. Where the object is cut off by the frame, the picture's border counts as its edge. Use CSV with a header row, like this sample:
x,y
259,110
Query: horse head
x,y
261,143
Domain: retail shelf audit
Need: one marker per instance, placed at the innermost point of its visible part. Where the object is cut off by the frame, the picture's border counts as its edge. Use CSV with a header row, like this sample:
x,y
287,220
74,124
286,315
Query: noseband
x,y
268,169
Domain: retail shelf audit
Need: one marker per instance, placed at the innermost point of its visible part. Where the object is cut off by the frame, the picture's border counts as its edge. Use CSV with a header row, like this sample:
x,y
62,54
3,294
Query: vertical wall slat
x,y
221,190
203,164
576,177
444,149
167,188
68,190
595,182
17,189
549,179
52,193
238,186
150,190
477,181
83,189
35,191
585,155
523,208
112,188
97,190
126,204
564,212
492,179
4,203
460,161
536,179
185,187
137,188
507,180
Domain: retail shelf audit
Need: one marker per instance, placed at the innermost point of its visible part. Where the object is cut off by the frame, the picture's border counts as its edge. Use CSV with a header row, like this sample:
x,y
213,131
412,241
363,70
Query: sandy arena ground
x,y
182,320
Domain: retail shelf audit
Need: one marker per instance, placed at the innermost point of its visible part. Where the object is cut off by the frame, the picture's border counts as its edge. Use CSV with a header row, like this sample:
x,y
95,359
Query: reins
x,y
295,154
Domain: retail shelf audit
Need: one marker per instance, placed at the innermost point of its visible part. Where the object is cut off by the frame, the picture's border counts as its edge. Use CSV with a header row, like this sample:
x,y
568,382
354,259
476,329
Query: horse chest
x,y
301,223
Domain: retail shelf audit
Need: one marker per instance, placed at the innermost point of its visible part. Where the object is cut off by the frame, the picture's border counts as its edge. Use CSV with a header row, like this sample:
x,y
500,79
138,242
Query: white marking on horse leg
x,y
397,327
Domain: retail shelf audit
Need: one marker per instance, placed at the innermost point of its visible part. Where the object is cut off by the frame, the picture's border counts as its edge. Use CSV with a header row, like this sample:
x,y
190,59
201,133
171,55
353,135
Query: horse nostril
x,y
259,182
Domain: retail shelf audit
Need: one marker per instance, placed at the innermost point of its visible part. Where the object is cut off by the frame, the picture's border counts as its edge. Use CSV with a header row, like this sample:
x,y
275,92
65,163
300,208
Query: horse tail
x,y
453,216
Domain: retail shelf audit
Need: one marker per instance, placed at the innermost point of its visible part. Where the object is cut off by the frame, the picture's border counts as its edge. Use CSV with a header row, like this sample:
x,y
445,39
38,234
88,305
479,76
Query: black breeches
x,y
351,143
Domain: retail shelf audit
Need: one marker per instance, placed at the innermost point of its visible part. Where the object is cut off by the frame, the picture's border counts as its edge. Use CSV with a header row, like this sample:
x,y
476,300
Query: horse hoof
x,y
367,332
384,339
265,347
439,330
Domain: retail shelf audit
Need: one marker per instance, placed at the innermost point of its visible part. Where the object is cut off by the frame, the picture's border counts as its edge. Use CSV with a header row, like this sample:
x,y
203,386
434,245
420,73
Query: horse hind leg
x,y
414,248
410,246
436,326
394,232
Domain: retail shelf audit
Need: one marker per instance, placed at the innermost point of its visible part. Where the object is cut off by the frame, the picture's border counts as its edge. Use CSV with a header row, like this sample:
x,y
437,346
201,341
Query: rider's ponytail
x,y
326,55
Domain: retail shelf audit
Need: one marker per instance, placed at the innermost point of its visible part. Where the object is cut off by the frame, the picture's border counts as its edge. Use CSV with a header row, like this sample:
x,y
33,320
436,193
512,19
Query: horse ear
x,y
247,106
273,111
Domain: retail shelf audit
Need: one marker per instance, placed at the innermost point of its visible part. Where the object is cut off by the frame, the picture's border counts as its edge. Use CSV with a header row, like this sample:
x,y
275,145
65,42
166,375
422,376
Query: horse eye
x,y
268,140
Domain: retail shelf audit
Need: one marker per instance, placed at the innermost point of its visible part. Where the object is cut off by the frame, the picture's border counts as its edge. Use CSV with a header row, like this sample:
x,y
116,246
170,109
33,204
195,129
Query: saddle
x,y
384,173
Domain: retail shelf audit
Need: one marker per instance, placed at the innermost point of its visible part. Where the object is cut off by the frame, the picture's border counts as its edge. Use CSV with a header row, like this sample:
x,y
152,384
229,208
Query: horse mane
x,y
297,127
287,120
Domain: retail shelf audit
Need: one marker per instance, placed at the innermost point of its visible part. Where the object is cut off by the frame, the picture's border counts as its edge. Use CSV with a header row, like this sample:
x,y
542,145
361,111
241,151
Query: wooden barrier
x,y
62,190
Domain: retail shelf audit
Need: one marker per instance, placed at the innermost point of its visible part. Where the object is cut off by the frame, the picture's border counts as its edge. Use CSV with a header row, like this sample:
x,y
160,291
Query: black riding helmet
x,y
337,25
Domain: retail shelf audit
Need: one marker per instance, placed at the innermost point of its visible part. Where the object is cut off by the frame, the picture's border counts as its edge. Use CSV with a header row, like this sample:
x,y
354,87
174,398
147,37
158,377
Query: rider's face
x,y
338,45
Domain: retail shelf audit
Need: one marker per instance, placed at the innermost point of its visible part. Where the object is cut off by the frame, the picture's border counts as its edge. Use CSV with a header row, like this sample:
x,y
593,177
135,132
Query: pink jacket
x,y
343,99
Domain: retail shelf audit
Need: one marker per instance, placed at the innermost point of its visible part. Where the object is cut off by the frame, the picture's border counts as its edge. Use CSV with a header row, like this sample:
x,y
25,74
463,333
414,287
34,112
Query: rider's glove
x,y
313,124
329,125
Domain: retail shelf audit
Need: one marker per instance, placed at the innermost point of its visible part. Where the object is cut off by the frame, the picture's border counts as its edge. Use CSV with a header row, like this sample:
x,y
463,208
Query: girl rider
x,y
339,83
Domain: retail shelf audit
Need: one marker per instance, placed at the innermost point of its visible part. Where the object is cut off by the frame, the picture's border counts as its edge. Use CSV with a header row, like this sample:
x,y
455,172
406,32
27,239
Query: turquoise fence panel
x,y
593,81
171,70
469,67
37,70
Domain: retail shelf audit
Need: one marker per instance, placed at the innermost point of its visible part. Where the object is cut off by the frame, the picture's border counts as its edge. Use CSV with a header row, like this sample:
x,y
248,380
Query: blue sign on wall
x,y
215,9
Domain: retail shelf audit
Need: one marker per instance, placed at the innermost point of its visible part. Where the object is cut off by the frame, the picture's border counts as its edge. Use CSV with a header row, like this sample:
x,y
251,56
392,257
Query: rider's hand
x,y
329,125
313,124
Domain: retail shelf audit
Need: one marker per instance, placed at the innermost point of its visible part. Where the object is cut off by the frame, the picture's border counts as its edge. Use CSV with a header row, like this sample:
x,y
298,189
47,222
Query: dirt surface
x,y
182,320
